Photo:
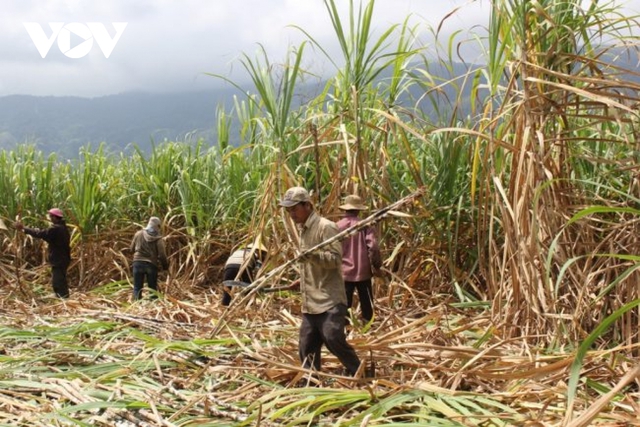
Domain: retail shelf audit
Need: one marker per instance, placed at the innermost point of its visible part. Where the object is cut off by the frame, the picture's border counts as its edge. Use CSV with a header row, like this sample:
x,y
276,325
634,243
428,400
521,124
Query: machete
x,y
240,284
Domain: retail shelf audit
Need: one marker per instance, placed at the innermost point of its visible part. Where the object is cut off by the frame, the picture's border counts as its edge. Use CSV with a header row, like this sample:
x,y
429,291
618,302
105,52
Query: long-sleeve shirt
x,y
58,238
240,258
360,252
149,248
321,281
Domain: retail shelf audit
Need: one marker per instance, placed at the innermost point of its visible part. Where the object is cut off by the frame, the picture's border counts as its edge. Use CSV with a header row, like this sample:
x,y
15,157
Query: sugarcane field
x,y
418,239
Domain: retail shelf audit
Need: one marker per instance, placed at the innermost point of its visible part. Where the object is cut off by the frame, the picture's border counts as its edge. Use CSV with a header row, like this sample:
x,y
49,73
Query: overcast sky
x,y
168,45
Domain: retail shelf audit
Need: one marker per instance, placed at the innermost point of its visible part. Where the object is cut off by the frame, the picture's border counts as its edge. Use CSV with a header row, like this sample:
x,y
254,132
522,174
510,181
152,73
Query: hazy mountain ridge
x,y
64,124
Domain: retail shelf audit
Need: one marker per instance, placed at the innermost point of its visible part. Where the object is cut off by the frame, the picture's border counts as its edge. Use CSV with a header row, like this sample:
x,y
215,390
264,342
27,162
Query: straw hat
x,y
353,203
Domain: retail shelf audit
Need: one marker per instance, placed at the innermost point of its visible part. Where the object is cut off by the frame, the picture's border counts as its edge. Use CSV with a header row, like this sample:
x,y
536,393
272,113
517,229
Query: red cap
x,y
56,212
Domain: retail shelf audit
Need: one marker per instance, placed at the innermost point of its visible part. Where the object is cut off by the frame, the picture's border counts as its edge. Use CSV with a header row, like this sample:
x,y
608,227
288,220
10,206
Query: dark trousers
x,y
230,273
326,328
365,295
59,280
142,270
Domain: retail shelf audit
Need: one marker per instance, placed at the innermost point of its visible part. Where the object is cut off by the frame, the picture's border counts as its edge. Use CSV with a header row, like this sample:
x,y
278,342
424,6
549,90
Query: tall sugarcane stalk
x,y
25,290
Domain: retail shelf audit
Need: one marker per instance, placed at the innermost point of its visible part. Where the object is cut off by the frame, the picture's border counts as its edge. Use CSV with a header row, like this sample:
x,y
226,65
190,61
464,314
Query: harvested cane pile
x,y
185,360
98,359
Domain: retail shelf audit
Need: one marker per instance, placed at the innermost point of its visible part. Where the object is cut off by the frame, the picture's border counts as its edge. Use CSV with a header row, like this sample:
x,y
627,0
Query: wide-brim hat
x,y
353,203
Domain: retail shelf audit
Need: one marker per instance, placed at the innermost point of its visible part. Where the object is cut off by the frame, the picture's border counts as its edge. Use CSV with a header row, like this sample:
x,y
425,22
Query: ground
x,y
99,359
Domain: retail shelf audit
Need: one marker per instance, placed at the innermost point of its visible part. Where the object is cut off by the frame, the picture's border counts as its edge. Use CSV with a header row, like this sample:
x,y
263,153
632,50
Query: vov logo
x,y
87,32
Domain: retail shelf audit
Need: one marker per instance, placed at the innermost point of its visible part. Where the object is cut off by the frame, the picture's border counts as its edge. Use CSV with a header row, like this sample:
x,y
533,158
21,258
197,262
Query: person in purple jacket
x,y
361,258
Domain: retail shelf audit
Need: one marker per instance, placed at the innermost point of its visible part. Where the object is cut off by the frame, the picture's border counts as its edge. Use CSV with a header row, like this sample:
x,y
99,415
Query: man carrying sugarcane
x,y
324,309
59,252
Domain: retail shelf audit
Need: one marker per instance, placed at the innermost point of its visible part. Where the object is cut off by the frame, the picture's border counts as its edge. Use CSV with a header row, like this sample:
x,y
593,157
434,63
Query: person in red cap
x,y
59,255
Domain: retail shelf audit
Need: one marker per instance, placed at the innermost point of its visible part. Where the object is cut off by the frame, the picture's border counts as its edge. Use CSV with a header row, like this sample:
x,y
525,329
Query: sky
x,y
96,48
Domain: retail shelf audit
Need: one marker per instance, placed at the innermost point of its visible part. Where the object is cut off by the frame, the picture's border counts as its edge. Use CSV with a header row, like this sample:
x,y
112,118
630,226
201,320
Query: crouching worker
x,y
243,265
148,254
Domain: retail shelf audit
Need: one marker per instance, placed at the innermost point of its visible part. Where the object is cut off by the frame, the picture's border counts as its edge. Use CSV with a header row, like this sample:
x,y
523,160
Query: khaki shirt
x,y
321,280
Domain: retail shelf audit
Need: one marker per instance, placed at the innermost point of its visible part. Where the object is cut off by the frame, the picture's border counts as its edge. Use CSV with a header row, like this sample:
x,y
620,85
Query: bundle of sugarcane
x,y
261,282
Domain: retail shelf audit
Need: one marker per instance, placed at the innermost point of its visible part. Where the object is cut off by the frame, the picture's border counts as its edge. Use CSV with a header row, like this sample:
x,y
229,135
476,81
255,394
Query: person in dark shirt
x,y
59,254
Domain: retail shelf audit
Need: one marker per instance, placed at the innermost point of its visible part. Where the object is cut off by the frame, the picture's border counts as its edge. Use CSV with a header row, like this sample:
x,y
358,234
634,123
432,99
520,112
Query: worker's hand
x,y
377,272
304,258
18,225
310,257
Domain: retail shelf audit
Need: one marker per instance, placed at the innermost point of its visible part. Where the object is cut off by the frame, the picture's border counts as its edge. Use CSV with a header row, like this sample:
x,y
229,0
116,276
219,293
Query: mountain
x,y
64,124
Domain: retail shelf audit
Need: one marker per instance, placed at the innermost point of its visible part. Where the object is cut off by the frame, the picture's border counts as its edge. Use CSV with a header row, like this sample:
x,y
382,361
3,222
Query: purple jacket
x,y
360,252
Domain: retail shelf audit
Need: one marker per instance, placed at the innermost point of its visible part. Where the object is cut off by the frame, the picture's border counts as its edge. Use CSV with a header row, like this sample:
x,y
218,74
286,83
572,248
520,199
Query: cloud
x,y
168,45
